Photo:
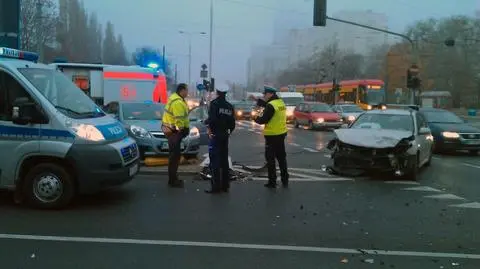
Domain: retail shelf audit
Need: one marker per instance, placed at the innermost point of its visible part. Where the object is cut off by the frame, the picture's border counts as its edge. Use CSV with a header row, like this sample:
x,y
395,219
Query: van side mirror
x,y
24,111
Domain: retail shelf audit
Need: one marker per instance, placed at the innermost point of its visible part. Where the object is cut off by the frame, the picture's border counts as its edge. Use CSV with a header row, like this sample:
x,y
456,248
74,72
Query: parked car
x,y
348,112
391,140
316,115
143,121
450,132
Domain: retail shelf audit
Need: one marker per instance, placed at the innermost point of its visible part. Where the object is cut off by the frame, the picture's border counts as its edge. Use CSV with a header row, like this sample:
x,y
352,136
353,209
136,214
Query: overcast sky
x,y
239,24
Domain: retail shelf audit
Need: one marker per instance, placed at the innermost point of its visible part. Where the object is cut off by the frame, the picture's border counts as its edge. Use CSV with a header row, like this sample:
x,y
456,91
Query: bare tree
x,y
39,20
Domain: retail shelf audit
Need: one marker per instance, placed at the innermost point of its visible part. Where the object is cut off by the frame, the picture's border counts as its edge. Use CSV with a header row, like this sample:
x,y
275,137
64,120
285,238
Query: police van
x,y
55,142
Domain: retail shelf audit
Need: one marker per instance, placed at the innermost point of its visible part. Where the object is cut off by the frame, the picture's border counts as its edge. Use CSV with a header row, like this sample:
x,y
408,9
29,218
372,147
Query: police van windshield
x,y
62,93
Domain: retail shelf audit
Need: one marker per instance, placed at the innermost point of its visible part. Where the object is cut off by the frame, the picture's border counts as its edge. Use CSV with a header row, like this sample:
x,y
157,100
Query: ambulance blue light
x,y
18,54
153,65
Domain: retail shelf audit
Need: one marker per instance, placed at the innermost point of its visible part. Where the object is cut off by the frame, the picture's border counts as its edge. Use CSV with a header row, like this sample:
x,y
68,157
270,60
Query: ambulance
x,y
115,83
55,142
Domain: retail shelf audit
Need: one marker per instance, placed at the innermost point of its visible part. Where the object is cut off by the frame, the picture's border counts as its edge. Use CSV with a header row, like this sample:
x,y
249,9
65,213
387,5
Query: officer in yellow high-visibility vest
x,y
176,126
275,119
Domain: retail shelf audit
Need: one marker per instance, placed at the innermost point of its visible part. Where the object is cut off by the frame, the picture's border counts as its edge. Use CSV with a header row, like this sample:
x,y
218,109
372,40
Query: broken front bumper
x,y
348,158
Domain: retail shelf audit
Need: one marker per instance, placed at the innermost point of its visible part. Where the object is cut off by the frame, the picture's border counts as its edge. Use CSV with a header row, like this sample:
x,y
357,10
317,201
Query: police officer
x,y
221,123
275,119
176,126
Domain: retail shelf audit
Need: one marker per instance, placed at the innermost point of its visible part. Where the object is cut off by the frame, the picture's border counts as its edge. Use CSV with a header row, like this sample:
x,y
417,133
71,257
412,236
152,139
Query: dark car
x,y
244,110
451,133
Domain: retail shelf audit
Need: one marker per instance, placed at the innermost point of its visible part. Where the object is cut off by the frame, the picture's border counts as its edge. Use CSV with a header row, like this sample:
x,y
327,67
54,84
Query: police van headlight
x,y
194,132
139,132
87,132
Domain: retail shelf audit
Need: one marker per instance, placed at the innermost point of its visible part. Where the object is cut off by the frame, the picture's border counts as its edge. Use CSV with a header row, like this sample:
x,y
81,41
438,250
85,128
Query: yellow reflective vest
x,y
278,123
176,113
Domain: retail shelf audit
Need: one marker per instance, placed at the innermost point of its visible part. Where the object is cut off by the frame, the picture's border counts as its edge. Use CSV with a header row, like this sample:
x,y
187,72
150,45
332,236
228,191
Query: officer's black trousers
x,y
218,155
275,149
175,153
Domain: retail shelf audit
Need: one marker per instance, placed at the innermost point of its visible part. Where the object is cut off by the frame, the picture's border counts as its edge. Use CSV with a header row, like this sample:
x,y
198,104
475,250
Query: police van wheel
x,y
48,186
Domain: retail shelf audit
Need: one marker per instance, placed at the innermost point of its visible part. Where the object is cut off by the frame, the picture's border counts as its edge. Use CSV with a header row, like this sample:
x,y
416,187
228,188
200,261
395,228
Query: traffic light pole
x,y
414,60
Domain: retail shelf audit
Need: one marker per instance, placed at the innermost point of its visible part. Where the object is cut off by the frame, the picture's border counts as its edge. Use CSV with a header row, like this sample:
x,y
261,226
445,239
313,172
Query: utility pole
x,y
189,59
210,64
176,73
164,60
39,26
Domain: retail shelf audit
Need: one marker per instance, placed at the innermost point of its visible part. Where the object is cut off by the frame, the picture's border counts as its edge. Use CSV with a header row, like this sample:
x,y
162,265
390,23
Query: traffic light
x,y
413,81
320,13
206,83
212,84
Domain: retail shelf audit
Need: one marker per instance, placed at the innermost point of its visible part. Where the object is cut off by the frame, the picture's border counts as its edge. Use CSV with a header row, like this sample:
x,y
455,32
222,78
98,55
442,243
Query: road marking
x,y
310,150
472,165
474,205
446,196
402,182
422,188
294,144
124,241
252,130
308,179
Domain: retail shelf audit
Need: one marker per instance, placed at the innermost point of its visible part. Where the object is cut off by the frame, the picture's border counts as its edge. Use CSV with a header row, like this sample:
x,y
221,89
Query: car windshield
x,y
62,93
321,108
243,106
442,117
142,111
384,121
350,109
292,101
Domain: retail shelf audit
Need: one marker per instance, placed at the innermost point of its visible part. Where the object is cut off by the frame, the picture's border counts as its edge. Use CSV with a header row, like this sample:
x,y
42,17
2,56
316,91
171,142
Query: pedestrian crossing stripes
x,y
296,174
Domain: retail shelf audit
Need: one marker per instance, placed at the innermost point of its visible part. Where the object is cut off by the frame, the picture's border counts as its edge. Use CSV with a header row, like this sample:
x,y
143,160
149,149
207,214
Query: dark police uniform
x,y
221,122
275,119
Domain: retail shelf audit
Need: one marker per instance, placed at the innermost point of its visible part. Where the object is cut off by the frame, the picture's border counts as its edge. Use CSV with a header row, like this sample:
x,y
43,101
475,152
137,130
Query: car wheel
x,y
413,172
48,186
429,162
473,152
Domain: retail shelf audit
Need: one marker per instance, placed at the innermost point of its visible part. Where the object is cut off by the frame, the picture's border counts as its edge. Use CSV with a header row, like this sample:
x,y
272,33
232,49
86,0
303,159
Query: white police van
x,y
54,140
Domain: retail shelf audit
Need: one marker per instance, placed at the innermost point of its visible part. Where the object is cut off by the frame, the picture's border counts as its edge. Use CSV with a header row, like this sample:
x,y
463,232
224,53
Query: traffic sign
x,y
201,87
203,73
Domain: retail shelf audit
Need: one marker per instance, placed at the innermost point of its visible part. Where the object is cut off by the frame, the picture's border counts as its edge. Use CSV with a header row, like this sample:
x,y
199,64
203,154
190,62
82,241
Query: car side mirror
x,y
424,131
24,112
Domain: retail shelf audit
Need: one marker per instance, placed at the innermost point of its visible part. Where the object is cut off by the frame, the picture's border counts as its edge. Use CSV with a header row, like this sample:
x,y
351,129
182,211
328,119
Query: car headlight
x,y
450,135
254,113
320,120
383,107
239,113
289,113
369,107
139,132
87,132
351,118
194,132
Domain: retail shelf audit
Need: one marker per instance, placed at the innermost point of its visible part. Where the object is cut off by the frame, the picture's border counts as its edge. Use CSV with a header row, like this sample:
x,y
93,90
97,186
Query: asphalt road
x,y
320,222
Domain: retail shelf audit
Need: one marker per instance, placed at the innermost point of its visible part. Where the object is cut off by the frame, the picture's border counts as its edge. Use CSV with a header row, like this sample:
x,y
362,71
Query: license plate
x,y
472,142
133,170
165,146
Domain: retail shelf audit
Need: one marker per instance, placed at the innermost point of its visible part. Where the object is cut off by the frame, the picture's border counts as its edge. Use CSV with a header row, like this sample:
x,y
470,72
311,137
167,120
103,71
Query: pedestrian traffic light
x,y
320,13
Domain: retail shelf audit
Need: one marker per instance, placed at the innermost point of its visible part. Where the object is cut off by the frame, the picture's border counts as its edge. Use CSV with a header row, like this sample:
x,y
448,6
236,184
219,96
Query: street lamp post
x,y
210,64
189,34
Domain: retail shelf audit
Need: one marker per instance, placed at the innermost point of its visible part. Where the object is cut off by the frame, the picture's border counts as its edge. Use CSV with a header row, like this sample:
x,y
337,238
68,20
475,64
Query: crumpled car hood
x,y
371,138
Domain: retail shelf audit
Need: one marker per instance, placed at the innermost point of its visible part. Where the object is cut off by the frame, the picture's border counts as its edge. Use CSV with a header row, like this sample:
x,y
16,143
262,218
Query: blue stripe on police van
x,y
29,131
112,131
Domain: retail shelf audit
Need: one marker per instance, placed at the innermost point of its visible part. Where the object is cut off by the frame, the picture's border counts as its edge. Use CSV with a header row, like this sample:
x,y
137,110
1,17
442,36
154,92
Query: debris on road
x,y
371,261
344,260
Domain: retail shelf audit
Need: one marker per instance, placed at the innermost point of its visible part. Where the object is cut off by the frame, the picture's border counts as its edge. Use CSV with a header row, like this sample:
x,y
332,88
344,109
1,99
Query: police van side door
x,y
17,141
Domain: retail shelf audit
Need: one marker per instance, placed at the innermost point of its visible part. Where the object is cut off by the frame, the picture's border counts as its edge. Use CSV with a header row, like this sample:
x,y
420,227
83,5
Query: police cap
x,y
269,89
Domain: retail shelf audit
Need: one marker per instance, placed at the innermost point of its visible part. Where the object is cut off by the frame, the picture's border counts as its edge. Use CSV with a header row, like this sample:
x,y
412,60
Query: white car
x,y
349,112
391,140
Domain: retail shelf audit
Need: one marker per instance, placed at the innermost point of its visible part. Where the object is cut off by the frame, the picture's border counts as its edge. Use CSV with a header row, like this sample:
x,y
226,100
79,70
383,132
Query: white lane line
x,y
308,179
472,165
400,182
446,196
422,188
124,241
310,150
474,205
294,144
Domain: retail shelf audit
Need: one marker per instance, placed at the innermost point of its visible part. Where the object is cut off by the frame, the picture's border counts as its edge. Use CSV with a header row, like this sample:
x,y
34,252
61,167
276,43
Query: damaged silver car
x,y
396,141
